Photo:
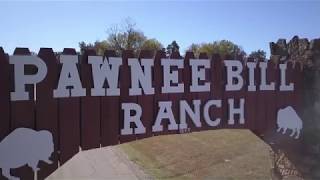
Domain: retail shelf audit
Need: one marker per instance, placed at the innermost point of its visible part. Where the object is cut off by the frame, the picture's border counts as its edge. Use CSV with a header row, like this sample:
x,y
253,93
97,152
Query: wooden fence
x,y
93,122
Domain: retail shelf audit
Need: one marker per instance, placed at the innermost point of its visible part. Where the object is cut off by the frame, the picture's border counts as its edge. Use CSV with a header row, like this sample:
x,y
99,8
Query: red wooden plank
x,y
298,88
47,105
4,97
217,88
271,99
261,107
23,115
69,122
90,107
251,98
290,79
205,96
282,96
158,83
145,102
110,114
176,97
188,96
125,84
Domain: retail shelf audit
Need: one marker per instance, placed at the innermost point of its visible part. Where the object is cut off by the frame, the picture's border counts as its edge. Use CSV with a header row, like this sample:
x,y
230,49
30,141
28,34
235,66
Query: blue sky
x,y
251,24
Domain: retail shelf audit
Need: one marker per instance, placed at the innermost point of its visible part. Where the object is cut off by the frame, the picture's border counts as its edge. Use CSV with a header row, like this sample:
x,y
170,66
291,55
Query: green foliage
x,y
259,54
98,46
173,47
151,44
120,37
223,47
125,37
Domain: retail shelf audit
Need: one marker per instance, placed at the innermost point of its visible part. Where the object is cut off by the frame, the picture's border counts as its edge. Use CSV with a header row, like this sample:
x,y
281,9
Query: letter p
x,y
21,79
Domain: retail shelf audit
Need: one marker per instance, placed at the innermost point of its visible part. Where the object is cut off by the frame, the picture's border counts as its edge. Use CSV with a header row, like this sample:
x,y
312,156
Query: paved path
x,y
108,163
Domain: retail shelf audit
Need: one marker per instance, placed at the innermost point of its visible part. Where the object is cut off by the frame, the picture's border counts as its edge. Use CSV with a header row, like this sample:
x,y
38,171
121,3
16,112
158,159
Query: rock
x,y
315,59
282,44
279,48
315,45
275,58
303,46
293,48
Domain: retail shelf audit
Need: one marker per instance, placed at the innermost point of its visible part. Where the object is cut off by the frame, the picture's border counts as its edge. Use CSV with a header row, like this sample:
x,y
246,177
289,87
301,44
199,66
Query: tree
x,y
258,55
120,37
98,46
84,46
126,37
151,44
195,49
223,47
173,47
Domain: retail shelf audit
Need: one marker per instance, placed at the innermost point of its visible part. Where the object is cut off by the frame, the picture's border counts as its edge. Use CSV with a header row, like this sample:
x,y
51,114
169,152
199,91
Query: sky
x,y
63,24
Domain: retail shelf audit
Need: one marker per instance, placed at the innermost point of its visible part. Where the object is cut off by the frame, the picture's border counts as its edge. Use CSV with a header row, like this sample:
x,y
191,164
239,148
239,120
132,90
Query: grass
x,y
217,154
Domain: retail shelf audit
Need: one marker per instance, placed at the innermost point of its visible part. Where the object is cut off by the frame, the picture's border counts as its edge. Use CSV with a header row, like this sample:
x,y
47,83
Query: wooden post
x,y
4,96
188,96
47,109
110,113
176,97
158,83
23,114
205,96
251,98
90,107
69,122
146,102
125,84
217,88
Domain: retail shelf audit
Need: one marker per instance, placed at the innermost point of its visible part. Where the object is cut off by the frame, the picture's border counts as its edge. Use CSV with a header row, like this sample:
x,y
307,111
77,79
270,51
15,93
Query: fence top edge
x,y
21,51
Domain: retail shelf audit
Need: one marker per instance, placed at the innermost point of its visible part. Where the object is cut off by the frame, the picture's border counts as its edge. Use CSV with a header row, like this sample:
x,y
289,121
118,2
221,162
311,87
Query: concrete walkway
x,y
108,163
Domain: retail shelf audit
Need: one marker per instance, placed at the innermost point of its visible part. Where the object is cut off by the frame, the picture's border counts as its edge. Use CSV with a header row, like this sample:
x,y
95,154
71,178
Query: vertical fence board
x,y
298,88
110,113
271,98
23,115
47,109
176,97
146,101
188,96
158,83
251,98
125,84
217,88
4,97
69,122
261,107
90,107
290,79
225,95
282,95
205,96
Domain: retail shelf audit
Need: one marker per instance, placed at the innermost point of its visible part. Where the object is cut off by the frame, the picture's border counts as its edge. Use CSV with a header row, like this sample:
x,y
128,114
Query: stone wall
x,y
308,54
297,49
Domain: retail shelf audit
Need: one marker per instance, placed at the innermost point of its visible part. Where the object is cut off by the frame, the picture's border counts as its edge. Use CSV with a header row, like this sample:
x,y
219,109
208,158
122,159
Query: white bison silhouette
x,y
288,119
25,146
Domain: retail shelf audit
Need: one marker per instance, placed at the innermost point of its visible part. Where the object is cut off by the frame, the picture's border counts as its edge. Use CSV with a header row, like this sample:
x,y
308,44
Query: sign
x,y
90,101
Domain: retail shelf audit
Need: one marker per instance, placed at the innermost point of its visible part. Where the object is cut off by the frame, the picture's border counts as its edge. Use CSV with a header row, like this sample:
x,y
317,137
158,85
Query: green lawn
x,y
216,154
